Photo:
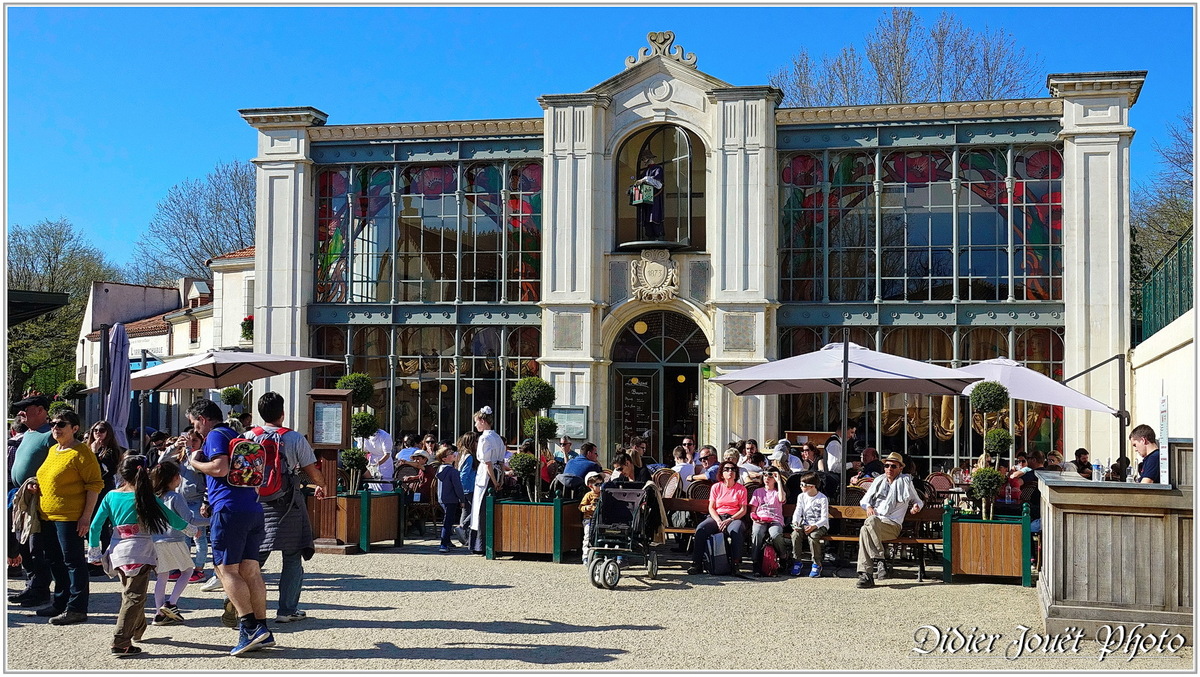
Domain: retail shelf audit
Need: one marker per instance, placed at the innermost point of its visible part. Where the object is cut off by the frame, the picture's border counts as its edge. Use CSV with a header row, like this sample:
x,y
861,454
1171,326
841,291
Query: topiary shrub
x,y
362,385
525,467
232,396
540,428
363,424
354,462
533,393
989,397
985,485
57,407
72,389
997,442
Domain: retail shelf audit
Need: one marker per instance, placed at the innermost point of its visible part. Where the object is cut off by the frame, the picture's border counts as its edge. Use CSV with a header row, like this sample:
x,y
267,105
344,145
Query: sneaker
x,y
171,613
830,557
125,651
881,571
865,581
161,618
175,608
213,585
197,576
693,570
816,572
246,642
173,576
30,600
69,618
297,615
229,617
443,549
267,641
797,569
49,611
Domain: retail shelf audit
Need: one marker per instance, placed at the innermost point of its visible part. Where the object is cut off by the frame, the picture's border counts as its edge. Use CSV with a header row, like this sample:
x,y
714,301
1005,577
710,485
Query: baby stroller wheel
x,y
594,569
611,574
652,564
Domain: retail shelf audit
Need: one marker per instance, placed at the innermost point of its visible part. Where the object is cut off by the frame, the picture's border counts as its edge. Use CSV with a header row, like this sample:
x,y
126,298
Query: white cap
x,y
588,478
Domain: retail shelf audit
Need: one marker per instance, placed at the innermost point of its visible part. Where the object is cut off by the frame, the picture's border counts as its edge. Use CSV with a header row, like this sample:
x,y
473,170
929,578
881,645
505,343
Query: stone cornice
x,y
1106,82
745,93
961,110
303,116
425,130
586,99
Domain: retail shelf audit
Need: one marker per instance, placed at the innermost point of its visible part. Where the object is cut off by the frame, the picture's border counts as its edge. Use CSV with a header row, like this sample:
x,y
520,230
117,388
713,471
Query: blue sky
x,y
107,108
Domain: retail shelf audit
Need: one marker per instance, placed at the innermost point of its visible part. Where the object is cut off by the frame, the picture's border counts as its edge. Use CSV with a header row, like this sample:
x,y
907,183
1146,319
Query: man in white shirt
x,y
885,502
682,468
834,446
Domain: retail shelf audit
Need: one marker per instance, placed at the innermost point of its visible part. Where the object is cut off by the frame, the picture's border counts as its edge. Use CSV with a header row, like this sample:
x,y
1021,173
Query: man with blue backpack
x,y
237,528
285,507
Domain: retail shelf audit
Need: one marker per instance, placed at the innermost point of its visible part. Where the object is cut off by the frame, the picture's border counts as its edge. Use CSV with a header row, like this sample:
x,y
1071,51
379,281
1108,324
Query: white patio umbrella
x,y
220,368
1024,383
846,367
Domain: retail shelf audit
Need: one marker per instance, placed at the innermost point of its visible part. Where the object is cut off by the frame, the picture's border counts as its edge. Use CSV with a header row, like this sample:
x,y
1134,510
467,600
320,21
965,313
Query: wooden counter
x,y
1115,553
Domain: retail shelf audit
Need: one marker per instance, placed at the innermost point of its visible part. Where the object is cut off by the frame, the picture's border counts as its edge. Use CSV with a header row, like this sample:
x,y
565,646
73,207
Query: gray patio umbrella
x,y
220,368
842,368
116,404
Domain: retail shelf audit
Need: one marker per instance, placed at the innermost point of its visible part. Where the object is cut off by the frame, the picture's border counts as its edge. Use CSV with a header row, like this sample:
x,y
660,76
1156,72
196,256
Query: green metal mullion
x,y
505,192
351,203
955,187
826,186
364,520
558,527
396,230
460,224
877,184
947,542
392,330
1010,186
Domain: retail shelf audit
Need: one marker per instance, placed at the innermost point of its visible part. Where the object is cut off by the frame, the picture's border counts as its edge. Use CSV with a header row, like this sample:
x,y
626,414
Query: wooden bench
x,y
914,533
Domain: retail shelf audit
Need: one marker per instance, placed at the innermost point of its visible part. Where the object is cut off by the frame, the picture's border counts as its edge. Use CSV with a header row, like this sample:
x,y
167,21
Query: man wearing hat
x,y
34,447
783,452
885,502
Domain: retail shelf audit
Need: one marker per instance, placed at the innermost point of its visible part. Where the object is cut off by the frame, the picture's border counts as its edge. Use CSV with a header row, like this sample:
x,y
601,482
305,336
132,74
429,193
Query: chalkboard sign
x,y
637,406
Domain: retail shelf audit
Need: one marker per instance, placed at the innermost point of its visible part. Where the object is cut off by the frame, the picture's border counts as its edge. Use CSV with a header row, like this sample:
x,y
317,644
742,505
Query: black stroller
x,y
626,518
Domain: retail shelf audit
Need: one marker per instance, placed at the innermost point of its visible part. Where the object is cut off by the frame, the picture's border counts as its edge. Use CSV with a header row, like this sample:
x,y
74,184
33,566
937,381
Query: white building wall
x,y
1165,363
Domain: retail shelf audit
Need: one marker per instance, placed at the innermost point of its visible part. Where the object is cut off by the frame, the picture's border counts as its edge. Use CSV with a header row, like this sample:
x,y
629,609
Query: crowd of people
x,y
156,515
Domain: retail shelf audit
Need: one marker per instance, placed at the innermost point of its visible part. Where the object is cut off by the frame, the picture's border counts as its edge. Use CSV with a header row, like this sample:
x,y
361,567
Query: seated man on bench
x,y
885,503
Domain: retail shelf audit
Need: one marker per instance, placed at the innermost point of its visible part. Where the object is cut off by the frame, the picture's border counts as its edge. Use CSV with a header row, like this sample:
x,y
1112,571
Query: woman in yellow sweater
x,y
69,483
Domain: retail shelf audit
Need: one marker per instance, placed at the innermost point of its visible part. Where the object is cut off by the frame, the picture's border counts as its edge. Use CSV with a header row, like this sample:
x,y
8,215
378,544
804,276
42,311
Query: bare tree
x,y
1161,210
908,62
196,221
50,256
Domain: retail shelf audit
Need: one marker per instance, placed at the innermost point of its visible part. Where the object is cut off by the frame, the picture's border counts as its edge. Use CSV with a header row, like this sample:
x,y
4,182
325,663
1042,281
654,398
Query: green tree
x,y
1161,209
904,61
51,256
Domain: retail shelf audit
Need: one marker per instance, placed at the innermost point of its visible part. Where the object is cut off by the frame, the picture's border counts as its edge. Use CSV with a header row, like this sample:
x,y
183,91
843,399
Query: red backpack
x,y
770,561
258,462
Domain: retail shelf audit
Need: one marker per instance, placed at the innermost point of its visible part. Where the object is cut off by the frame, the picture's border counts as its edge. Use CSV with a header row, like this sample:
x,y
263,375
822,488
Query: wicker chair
x,y
940,481
662,476
672,486
865,483
854,495
751,487
699,489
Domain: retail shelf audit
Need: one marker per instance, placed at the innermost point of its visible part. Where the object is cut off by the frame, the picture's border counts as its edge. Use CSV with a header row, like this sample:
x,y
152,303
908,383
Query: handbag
x,y
641,193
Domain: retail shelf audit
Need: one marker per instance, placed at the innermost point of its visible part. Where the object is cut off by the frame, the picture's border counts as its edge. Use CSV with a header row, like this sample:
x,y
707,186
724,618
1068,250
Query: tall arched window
x,y
670,214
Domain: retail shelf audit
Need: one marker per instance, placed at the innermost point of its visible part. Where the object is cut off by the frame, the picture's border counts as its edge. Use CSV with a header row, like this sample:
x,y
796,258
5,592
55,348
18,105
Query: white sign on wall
x,y
1164,461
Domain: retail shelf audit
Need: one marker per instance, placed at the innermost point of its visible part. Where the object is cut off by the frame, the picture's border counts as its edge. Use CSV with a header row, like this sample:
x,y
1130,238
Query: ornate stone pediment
x,y
653,277
661,45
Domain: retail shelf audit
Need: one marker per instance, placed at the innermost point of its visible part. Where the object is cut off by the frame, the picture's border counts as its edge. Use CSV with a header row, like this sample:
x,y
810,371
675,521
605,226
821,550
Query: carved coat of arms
x,y
653,277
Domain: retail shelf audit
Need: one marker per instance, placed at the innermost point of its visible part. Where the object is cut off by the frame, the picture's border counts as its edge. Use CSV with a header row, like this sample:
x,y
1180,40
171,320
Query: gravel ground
x,y
413,609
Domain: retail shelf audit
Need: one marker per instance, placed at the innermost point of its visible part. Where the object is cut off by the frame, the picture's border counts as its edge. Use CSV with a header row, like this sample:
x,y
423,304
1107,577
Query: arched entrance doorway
x,y
656,372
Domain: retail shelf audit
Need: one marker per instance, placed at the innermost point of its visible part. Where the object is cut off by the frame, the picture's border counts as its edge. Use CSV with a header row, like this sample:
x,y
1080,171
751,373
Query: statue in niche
x,y
647,195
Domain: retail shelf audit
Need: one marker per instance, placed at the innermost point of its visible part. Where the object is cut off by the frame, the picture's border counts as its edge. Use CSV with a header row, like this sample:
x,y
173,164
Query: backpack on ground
x,y
718,558
277,481
770,561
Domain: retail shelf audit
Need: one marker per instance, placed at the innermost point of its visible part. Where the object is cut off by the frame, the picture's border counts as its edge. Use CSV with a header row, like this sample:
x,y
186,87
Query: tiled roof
x,y
247,253
148,326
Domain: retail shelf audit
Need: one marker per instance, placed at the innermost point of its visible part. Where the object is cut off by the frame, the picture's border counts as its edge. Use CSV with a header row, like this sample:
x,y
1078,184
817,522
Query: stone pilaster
x,y
284,239
1096,138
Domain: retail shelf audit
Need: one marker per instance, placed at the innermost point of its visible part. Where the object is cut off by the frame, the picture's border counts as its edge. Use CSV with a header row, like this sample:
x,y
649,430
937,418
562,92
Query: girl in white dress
x,y
490,452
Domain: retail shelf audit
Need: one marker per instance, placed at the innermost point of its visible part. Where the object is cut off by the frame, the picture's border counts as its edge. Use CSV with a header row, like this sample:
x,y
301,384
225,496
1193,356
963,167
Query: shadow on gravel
x,y
528,626
537,654
363,584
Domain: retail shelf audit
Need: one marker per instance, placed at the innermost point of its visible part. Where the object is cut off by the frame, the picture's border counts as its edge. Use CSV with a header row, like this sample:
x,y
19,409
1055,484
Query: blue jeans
x,y
736,532
68,565
291,579
201,540
451,513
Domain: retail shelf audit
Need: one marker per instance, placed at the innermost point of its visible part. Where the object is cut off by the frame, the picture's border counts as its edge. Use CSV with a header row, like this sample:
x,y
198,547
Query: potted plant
x,y
363,388
985,484
525,466
248,328
355,463
535,395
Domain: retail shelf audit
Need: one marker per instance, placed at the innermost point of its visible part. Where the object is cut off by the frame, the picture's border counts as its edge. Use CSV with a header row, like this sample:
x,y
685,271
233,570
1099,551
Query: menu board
x,y
327,422
636,406
572,421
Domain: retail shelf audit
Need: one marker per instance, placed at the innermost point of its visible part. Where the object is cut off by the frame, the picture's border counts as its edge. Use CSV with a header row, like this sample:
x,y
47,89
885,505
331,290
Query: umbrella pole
x,y
104,375
142,411
844,413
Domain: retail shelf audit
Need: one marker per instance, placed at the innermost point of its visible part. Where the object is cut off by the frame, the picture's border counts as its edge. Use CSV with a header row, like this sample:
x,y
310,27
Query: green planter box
x,y
552,528
976,547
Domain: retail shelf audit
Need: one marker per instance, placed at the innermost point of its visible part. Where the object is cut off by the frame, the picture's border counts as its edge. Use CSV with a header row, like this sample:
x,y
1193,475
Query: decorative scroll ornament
x,y
653,277
661,45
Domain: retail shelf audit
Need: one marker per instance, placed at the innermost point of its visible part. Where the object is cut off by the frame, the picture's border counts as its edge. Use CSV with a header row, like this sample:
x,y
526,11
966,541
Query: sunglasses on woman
x,y
97,431
59,424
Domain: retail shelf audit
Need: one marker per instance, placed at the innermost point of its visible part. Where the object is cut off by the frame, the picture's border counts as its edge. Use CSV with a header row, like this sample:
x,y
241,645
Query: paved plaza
x,y
413,609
